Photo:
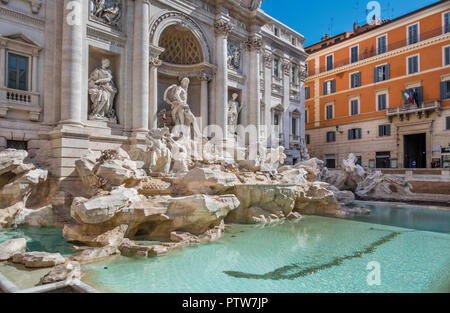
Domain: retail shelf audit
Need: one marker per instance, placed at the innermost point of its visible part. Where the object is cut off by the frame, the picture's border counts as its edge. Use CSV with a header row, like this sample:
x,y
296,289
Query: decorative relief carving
x,y
222,27
154,61
107,11
184,20
205,76
268,59
253,43
287,65
35,6
303,74
234,55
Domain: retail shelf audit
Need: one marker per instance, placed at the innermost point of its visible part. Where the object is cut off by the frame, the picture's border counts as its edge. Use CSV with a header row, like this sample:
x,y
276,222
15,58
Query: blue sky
x,y
314,18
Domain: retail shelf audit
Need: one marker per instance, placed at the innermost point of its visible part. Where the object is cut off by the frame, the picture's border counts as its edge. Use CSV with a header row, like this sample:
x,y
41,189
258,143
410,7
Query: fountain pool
x,y
316,254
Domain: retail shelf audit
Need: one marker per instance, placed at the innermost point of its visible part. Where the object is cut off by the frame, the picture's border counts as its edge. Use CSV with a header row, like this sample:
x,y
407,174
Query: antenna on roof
x,y
330,28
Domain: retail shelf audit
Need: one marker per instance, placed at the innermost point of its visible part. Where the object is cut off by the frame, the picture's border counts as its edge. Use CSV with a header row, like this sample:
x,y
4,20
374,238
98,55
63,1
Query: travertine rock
x,y
316,198
11,247
8,215
42,217
381,186
63,272
94,254
112,237
130,248
206,181
38,259
350,177
270,201
178,236
11,160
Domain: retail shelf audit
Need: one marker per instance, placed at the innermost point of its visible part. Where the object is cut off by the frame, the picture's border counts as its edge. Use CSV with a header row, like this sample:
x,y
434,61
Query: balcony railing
x,y
426,107
19,96
372,51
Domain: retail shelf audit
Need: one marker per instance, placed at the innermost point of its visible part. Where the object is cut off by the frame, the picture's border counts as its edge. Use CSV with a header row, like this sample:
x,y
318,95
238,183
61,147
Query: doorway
x,y
415,149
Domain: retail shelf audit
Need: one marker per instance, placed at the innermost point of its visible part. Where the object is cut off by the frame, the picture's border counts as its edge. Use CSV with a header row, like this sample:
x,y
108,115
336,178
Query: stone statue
x,y
102,91
176,96
107,11
234,109
160,156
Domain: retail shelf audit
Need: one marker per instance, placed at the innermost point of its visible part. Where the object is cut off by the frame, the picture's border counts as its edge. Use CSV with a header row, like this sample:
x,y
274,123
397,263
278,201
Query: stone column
x,y
153,100
254,44
302,77
72,61
34,79
222,28
204,97
268,63
286,101
141,60
2,63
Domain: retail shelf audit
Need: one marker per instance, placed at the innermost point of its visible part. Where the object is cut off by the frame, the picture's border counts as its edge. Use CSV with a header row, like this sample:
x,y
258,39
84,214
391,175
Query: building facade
x,y
89,74
382,92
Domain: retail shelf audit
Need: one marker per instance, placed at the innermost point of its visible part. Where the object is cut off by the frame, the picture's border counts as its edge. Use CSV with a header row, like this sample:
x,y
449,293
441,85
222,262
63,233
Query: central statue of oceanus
x,y
176,96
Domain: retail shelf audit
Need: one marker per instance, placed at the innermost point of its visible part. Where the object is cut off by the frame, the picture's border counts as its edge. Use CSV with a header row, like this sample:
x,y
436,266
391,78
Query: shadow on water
x,y
283,273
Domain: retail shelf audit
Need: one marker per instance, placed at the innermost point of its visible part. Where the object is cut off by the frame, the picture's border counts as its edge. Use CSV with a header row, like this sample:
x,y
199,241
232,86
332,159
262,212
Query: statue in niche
x,y
176,96
107,11
234,57
102,91
234,109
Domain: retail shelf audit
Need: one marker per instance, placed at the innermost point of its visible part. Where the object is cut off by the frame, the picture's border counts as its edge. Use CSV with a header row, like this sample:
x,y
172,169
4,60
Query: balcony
x,y
405,111
372,51
13,99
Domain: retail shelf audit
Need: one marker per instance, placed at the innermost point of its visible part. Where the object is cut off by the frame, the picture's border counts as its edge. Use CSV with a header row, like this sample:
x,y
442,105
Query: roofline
x,y
376,27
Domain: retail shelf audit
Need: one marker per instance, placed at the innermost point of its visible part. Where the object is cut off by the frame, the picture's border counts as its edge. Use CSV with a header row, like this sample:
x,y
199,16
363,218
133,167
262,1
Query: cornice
x,y
383,56
22,16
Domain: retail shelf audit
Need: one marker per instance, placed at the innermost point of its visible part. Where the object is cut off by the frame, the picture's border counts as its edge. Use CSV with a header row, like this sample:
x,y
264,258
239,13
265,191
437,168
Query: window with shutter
x,y
307,139
329,112
413,34
447,22
447,56
382,45
354,54
413,64
307,95
447,123
382,102
329,62
354,107
17,72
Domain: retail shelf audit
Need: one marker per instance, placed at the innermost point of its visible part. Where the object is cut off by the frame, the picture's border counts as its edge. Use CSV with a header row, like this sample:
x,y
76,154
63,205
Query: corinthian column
x,y
222,28
254,45
71,68
141,56
153,102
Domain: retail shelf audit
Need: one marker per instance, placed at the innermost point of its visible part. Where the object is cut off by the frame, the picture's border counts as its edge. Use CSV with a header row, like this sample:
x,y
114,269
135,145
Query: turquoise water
x,y
317,254
39,239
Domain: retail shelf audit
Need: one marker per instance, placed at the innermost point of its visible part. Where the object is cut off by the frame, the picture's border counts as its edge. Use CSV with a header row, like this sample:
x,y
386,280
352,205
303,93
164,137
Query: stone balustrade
x,y
13,99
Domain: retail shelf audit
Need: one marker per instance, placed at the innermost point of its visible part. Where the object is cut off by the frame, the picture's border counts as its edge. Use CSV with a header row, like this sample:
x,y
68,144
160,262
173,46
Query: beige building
x,y
86,74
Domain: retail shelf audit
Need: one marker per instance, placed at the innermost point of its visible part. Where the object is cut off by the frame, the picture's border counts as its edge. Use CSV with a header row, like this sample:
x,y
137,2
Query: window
x,y
330,64
331,136
293,41
413,64
355,80
307,95
382,44
355,133
329,87
330,161
354,107
447,56
382,73
382,102
384,130
307,139
306,116
276,119
447,123
294,126
413,34
445,90
306,69
329,112
16,144
17,72
359,160
277,32
337,40
354,54
276,67
446,22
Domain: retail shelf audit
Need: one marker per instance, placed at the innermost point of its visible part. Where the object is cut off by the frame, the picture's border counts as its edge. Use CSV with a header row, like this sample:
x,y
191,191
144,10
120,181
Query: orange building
x,y
354,92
